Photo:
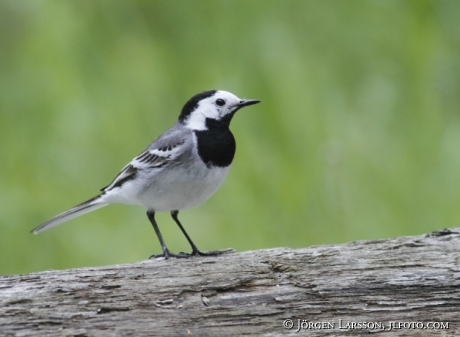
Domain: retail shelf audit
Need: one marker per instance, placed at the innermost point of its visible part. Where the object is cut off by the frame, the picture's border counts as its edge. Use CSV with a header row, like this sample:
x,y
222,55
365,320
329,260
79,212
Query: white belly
x,y
182,187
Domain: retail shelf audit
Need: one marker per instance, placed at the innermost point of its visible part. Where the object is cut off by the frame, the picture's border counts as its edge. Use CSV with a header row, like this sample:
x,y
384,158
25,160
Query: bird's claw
x,y
196,252
167,254
182,255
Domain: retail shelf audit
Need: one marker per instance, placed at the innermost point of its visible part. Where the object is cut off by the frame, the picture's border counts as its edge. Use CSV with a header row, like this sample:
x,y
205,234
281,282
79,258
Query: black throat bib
x,y
216,145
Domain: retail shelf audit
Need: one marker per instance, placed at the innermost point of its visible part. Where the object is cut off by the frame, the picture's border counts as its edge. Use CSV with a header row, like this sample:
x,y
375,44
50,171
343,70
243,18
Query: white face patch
x,y
215,107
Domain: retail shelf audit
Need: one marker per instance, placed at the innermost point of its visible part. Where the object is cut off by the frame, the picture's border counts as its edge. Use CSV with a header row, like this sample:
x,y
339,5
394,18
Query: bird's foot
x,y
167,254
197,252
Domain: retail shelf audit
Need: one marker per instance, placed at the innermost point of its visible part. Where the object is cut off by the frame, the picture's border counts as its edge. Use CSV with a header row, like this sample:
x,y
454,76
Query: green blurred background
x,y
357,137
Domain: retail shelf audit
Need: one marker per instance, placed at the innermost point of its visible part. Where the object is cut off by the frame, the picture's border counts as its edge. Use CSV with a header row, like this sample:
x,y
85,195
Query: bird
x,y
179,170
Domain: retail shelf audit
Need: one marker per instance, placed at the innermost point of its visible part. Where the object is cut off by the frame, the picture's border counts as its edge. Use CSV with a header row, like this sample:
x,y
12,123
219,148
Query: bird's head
x,y
214,107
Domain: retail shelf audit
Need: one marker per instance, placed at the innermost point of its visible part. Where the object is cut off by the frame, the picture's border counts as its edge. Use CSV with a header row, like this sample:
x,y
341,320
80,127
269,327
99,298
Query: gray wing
x,y
163,151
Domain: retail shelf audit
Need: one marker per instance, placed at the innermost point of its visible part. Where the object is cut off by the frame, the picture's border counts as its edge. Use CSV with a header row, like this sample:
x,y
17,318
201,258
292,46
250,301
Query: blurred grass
x,y
357,137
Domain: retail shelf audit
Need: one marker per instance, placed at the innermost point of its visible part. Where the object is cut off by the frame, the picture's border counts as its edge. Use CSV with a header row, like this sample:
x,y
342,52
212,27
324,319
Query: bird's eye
x,y
220,102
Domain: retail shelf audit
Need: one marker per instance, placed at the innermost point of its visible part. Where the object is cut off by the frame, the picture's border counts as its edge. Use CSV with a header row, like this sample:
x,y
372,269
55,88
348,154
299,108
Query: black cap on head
x,y
192,103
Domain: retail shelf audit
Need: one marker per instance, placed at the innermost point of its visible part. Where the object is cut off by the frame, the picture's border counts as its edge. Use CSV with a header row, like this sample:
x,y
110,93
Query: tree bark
x,y
407,286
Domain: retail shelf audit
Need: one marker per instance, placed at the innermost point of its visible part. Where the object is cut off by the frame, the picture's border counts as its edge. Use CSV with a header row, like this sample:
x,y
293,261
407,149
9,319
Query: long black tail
x,y
85,207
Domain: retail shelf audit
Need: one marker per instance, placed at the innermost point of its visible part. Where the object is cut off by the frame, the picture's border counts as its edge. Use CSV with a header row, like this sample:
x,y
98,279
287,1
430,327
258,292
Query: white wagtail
x,y
180,169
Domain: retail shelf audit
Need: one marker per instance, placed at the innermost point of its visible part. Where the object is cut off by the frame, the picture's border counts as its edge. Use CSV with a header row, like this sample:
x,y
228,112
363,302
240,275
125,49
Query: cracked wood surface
x,y
406,279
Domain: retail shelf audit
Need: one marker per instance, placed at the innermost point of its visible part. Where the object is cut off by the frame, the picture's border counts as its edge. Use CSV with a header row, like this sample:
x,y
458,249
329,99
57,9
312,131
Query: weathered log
x,y
410,285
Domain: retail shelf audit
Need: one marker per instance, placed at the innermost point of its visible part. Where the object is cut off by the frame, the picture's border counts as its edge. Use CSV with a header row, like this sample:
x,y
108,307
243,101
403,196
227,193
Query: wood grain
x,y
336,289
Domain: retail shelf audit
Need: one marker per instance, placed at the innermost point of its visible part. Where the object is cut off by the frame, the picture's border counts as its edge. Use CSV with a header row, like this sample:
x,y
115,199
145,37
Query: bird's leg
x,y
166,253
195,251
